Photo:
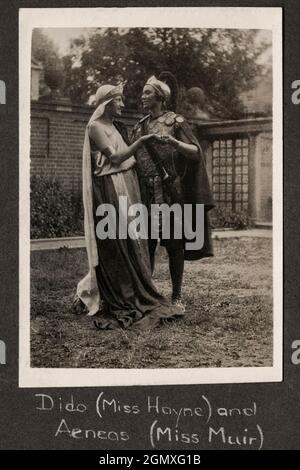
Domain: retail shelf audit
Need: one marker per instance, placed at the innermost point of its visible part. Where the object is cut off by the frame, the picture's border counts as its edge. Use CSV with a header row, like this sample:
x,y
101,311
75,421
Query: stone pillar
x,y
260,178
265,183
36,75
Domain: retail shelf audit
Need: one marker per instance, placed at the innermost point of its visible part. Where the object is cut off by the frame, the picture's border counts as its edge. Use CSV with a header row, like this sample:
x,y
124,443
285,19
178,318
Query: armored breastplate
x,y
162,125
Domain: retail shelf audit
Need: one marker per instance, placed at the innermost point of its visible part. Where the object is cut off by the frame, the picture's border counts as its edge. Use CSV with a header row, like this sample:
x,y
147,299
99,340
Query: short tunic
x,y
190,177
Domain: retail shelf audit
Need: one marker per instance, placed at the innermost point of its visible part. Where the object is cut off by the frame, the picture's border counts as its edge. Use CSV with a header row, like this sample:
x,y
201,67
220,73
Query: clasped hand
x,y
162,139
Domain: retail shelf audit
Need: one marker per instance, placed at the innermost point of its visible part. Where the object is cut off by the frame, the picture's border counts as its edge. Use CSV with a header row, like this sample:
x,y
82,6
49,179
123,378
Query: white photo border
x,y
200,17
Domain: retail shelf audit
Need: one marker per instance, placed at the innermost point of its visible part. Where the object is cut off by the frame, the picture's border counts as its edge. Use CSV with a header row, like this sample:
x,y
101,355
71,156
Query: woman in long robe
x,y
119,268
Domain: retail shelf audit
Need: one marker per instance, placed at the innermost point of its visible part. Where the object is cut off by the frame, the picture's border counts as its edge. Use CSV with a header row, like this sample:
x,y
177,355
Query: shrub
x,y
223,218
54,212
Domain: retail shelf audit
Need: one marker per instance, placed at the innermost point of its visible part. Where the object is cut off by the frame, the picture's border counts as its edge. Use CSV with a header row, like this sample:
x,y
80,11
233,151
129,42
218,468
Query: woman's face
x,y
149,97
115,106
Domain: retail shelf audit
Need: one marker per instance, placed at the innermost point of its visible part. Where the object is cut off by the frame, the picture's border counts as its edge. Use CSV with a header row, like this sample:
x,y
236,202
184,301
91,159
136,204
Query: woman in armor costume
x,y
181,158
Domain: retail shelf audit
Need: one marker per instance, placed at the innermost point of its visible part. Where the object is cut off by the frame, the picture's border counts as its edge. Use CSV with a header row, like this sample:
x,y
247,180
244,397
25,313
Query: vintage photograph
x,y
150,198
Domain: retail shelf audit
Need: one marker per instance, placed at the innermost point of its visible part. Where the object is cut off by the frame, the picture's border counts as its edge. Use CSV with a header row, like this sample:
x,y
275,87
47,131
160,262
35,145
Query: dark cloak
x,y
196,190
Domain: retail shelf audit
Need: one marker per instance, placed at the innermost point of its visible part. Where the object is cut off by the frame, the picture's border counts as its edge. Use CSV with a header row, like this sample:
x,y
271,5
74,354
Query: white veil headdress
x,y
87,288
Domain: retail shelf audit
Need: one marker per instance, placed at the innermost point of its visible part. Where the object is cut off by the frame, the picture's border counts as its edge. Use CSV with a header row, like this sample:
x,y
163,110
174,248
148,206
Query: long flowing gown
x,y
124,273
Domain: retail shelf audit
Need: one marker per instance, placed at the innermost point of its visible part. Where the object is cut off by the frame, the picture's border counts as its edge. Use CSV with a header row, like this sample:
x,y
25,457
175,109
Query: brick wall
x,y
57,136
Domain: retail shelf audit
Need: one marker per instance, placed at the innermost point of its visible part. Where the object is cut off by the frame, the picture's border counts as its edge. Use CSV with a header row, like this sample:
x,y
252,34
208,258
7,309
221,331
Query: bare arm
x,y
97,133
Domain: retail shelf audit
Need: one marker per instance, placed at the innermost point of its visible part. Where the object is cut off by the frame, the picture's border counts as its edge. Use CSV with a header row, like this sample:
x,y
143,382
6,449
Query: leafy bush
x,y
223,218
54,211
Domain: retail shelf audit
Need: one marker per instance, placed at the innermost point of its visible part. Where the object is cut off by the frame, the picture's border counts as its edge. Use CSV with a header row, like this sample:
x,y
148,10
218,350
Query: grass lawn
x,y
228,321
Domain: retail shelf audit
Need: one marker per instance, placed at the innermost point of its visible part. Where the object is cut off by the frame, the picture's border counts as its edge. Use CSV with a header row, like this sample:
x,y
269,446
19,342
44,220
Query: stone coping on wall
x,y
207,129
66,106
241,126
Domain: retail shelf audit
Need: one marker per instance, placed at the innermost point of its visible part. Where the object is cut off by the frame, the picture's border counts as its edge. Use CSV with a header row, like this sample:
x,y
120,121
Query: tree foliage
x,y
223,62
53,211
45,52
44,49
